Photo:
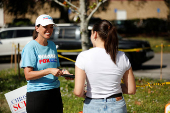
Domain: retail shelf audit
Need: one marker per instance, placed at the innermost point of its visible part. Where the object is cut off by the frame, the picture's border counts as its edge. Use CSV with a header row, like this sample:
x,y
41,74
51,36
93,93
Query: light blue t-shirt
x,y
41,57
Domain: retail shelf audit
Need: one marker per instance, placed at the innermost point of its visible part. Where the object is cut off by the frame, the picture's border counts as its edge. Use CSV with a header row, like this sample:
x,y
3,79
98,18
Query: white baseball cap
x,y
44,20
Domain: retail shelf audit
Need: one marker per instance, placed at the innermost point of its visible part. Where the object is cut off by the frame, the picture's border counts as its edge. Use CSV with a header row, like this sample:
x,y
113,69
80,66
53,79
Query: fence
x,y
17,53
16,58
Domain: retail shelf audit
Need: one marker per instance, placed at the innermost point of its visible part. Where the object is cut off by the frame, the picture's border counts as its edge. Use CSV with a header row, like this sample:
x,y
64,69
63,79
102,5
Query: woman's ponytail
x,y
111,43
35,33
108,34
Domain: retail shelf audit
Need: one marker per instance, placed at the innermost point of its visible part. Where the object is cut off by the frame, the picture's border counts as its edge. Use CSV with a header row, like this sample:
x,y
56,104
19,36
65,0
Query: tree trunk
x,y
85,41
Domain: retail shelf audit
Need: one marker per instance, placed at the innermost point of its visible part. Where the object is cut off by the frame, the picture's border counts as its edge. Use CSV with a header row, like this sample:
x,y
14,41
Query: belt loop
x,y
105,99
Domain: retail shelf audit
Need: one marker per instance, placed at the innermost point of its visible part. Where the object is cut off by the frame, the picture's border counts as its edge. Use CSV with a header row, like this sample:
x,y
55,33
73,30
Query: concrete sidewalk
x,y
152,68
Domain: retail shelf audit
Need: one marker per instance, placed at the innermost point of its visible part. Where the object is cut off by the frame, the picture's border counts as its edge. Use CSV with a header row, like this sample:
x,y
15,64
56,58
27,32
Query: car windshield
x,y
23,33
6,34
67,33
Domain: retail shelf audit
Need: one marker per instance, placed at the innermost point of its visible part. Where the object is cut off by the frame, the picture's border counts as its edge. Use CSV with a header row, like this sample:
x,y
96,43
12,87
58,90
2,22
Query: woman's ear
x,y
95,35
37,28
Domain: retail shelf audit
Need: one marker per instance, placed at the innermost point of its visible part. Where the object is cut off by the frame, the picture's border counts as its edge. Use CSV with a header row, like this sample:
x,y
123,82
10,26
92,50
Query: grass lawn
x,y
146,100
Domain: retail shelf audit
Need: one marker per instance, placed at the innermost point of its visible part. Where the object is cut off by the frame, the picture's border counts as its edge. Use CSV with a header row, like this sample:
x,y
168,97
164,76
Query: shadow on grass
x,y
150,67
167,39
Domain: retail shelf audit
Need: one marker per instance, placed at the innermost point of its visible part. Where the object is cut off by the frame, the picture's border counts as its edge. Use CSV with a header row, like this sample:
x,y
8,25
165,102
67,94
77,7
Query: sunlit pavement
x,y
152,68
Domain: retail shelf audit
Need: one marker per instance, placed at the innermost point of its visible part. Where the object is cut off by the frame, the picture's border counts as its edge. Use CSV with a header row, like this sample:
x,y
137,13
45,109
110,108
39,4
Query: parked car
x,y
9,37
68,37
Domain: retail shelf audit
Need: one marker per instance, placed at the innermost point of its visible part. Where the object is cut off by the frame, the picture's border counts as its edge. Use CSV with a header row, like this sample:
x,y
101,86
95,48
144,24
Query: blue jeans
x,y
104,106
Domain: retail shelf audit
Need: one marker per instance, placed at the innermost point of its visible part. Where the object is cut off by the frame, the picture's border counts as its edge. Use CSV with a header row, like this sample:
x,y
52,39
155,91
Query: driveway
x,y
152,68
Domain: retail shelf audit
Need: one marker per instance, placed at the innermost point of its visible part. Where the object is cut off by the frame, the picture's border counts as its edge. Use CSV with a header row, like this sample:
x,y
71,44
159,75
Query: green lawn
x,y
146,100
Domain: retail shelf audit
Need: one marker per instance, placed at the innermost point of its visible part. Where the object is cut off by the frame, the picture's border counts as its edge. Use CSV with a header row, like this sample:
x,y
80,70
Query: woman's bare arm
x,y
32,75
129,86
80,77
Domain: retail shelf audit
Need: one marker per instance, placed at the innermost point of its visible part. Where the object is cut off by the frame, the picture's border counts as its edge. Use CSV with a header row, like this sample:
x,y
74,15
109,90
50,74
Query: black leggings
x,y
48,101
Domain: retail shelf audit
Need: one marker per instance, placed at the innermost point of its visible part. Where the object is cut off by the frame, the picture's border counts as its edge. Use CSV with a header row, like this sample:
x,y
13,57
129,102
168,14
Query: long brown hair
x,y
35,33
107,32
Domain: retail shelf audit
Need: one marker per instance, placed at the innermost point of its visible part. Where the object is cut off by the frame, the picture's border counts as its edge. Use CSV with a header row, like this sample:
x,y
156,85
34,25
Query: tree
x,y
22,7
167,2
18,7
83,12
83,16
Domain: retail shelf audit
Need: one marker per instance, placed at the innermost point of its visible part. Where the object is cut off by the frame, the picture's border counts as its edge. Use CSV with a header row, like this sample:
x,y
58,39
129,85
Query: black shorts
x,y
47,101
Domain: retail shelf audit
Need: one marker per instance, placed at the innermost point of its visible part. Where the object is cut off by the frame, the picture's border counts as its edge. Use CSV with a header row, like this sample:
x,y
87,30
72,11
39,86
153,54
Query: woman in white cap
x,y
103,67
40,62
